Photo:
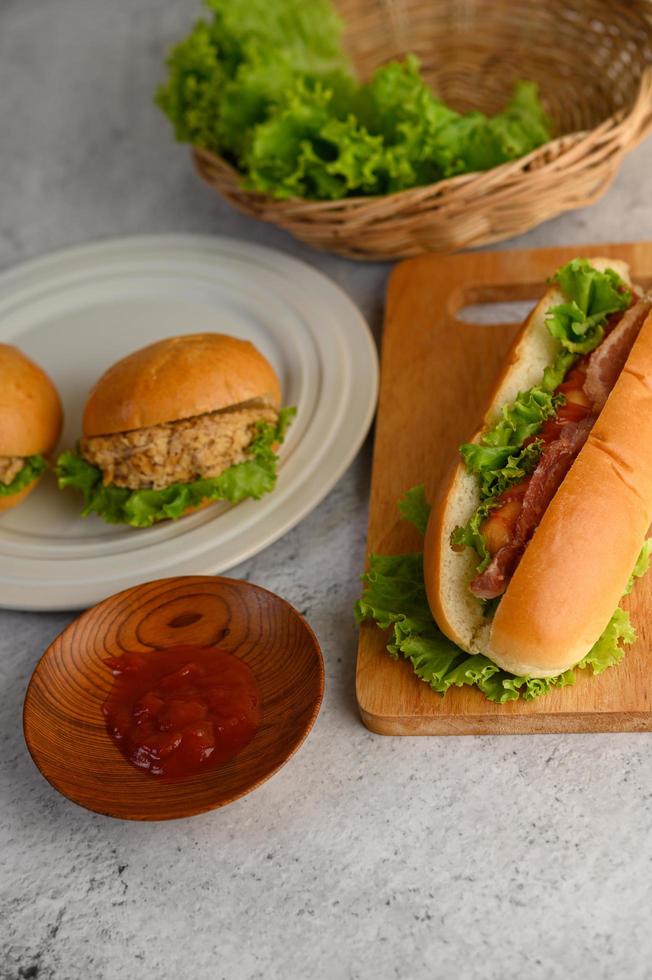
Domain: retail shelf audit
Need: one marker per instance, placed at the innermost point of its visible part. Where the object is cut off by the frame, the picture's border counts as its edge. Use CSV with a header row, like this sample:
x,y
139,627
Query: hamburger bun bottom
x,y
6,503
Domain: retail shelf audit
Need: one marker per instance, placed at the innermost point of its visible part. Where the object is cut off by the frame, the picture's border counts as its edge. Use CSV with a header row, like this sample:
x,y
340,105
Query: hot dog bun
x,y
576,567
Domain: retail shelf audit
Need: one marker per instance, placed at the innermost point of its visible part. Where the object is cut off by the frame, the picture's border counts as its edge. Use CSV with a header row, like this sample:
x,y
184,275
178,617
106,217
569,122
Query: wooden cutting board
x,y
436,377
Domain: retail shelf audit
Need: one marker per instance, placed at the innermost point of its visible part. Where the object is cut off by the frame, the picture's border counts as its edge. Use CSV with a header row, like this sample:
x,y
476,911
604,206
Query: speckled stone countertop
x,y
366,857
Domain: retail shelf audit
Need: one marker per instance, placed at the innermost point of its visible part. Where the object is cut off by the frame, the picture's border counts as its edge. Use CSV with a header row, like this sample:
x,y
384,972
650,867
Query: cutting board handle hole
x,y
486,304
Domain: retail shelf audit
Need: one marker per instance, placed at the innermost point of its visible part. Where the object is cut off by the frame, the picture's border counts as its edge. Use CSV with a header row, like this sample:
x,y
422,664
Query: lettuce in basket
x,y
269,86
34,466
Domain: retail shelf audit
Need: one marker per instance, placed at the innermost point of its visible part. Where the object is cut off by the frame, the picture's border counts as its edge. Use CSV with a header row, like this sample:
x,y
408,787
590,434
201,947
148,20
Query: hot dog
x,y
532,543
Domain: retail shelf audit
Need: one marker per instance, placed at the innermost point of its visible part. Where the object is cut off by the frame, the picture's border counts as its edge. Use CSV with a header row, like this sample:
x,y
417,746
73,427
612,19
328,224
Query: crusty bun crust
x,y
575,569
179,378
6,503
202,506
533,633
30,409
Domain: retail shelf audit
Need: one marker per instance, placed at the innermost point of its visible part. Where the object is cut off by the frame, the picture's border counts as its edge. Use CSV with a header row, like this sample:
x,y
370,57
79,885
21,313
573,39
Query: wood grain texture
x,y
63,722
437,373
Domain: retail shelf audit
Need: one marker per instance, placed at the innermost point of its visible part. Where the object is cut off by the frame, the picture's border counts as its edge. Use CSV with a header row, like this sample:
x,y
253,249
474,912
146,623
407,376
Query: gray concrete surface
x,y
366,857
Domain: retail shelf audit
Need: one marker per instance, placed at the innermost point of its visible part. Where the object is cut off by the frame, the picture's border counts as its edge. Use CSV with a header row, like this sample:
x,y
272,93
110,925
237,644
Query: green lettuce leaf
x,y
555,373
609,651
306,150
500,460
388,136
394,598
470,535
142,508
414,507
592,297
269,86
475,142
307,33
230,73
34,466
192,97
501,446
641,566
522,125
500,467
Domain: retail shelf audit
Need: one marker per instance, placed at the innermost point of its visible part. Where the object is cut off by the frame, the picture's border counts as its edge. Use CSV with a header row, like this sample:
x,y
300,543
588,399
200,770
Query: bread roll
x,y
179,378
31,416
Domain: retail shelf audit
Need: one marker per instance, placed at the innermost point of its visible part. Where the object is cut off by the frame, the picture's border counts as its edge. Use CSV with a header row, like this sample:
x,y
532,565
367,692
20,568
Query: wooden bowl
x,y
63,721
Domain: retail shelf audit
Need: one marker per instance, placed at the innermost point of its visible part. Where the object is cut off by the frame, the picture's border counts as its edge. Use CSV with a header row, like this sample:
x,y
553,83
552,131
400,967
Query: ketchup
x,y
182,710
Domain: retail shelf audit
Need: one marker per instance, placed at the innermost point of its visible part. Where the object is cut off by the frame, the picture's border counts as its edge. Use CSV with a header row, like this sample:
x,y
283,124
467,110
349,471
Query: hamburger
x,y
30,424
176,426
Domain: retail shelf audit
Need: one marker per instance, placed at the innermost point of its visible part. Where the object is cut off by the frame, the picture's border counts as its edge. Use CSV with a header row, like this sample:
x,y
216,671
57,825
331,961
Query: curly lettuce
x,y
591,297
394,598
470,535
34,466
269,86
142,508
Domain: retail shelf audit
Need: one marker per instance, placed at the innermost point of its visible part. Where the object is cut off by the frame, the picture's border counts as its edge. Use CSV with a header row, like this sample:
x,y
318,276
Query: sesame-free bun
x,y
576,567
30,409
178,378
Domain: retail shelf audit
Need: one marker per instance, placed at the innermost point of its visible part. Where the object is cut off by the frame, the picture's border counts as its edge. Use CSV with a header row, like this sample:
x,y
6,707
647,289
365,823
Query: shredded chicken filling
x,y
177,452
10,467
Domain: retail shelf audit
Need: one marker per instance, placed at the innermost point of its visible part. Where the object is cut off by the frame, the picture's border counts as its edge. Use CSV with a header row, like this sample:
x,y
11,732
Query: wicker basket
x,y
593,62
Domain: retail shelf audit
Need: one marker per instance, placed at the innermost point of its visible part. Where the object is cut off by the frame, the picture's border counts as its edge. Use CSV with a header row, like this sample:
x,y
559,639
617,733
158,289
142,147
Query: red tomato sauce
x,y
182,710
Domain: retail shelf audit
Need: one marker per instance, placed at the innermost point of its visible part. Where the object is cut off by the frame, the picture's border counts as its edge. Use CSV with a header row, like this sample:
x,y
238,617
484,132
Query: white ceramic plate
x,y
77,311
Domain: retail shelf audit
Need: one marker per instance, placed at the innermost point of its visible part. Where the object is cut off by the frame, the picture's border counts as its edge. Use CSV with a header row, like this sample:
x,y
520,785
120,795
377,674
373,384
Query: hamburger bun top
x,y
179,378
30,409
